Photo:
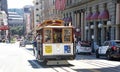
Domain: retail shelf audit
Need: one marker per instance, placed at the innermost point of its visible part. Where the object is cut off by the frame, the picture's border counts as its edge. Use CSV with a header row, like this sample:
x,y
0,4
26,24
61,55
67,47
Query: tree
x,y
17,30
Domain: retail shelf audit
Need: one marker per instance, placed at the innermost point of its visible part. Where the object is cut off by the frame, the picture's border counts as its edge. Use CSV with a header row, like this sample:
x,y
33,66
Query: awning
x,y
95,16
4,27
104,15
88,17
69,19
65,19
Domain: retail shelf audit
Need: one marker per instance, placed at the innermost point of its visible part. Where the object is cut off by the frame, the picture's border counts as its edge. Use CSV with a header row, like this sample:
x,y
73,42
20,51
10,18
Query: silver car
x,y
83,47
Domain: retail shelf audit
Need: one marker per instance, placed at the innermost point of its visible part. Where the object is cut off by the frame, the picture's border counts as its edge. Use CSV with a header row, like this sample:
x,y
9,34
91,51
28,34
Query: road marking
x,y
69,69
59,69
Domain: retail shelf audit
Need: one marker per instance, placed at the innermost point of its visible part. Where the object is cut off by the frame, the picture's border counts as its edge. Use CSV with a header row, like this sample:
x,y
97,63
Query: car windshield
x,y
117,43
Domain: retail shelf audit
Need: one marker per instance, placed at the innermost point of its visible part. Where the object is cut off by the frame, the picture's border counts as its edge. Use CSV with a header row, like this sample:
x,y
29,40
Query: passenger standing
x,y
38,38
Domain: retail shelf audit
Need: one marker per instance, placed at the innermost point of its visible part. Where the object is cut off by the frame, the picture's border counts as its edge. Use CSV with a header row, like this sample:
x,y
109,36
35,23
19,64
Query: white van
x,y
83,47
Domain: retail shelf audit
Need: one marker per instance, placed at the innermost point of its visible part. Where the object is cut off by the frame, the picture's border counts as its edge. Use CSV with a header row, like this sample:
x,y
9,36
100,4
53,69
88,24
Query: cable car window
x,y
57,35
47,35
67,35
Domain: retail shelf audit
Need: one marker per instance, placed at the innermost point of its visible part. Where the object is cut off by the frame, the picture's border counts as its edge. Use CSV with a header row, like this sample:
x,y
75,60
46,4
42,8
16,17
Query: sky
x,y
19,3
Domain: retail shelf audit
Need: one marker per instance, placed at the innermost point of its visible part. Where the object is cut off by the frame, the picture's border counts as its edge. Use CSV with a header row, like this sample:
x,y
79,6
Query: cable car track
x,y
102,65
56,68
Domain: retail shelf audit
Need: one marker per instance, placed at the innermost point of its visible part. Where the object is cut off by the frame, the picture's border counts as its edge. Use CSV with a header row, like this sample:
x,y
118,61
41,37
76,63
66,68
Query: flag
x,y
60,4
57,4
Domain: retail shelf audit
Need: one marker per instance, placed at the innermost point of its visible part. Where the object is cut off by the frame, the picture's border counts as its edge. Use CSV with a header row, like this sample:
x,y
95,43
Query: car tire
x,y
109,55
97,54
90,53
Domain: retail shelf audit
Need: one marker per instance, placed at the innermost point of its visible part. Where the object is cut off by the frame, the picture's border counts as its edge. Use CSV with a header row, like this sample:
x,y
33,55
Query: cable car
x,y
55,41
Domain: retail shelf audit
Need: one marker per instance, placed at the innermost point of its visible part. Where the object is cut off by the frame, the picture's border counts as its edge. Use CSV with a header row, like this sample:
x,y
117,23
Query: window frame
x,y
63,33
51,37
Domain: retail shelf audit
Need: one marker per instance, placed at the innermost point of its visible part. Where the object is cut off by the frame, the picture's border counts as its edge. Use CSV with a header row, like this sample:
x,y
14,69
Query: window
x,y
37,14
67,2
67,33
37,3
47,35
106,43
37,20
85,45
57,35
37,9
70,1
116,43
53,2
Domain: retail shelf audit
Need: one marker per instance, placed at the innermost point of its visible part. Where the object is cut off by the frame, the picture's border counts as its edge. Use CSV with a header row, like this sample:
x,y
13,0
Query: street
x,y
20,59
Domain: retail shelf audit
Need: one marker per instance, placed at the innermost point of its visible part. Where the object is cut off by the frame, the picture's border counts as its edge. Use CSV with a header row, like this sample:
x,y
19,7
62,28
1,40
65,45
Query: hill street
x,y
20,59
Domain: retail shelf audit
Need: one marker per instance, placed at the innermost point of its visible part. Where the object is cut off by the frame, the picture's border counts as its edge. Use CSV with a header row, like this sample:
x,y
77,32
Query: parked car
x,y
110,49
83,47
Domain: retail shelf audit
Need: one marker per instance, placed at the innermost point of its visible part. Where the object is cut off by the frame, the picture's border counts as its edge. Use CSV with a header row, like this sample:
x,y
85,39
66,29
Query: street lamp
x,y
92,37
100,25
86,27
108,23
108,29
77,36
92,26
77,29
70,24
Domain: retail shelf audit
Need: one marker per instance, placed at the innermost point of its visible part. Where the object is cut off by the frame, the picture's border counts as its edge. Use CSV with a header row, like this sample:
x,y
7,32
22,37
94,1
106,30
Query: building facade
x,y
97,20
3,19
14,19
28,21
94,20
3,25
4,6
15,24
45,10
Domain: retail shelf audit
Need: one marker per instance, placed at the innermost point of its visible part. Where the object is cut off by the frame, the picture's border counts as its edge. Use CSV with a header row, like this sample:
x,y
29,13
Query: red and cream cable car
x,y
56,41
